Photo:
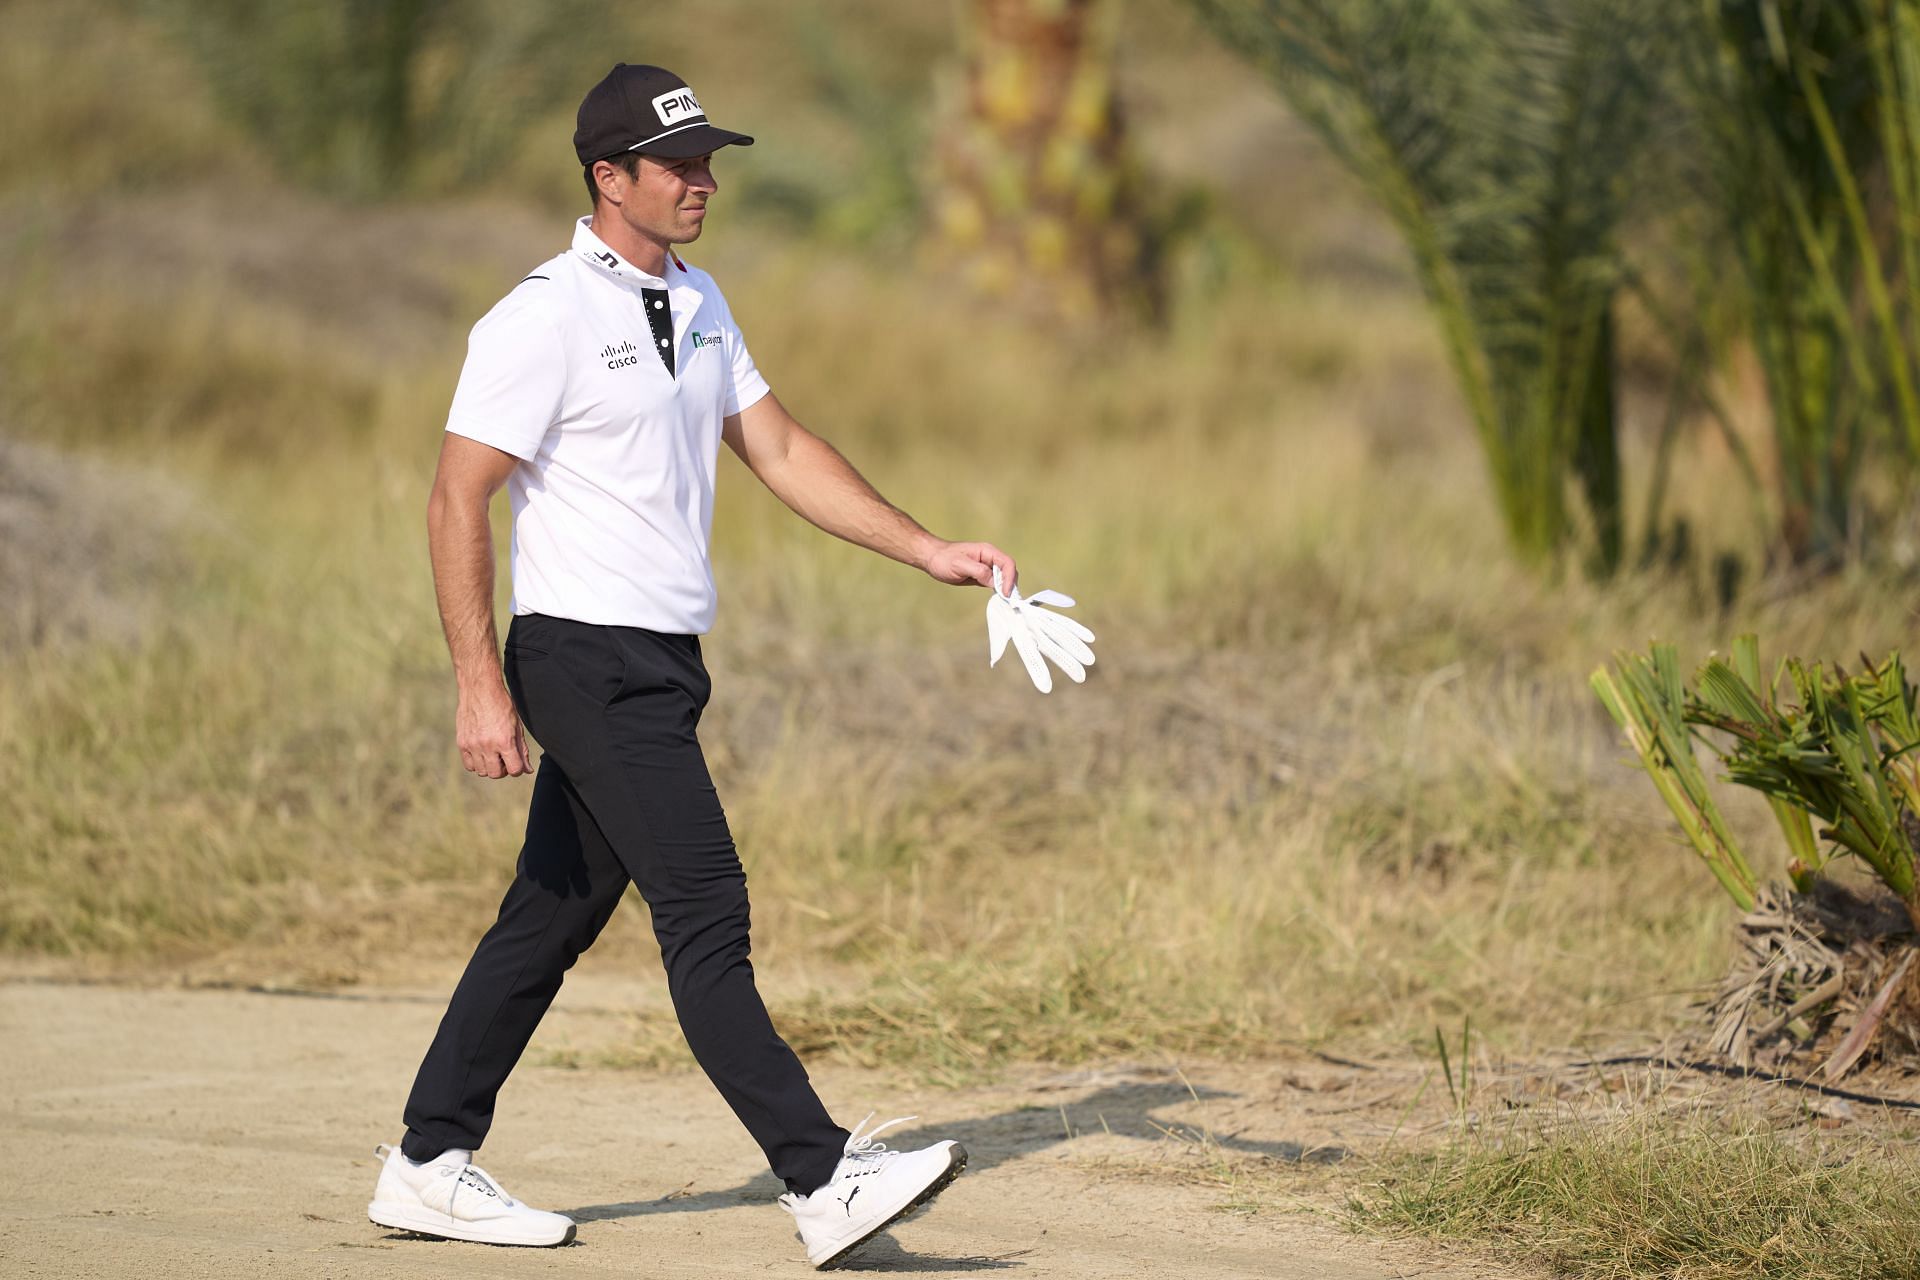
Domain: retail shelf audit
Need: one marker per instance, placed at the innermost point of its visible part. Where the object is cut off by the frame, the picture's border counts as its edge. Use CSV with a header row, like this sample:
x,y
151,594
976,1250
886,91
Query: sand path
x,y
190,1132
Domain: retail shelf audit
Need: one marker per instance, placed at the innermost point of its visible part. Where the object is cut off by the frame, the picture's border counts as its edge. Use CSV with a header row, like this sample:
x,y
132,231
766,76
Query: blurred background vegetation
x,y
1368,371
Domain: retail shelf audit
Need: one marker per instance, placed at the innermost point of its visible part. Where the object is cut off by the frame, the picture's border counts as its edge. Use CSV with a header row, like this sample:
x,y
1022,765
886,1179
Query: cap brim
x,y
697,141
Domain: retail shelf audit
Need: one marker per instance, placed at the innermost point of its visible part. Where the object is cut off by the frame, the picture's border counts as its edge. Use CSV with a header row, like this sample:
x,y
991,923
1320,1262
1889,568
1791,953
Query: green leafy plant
x,y
370,96
1646,696
1840,748
1806,124
1499,137
1823,746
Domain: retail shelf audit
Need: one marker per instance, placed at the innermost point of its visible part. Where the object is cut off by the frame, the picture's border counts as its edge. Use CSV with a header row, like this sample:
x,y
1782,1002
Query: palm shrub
x,y
1823,745
1806,120
367,96
1842,748
1499,136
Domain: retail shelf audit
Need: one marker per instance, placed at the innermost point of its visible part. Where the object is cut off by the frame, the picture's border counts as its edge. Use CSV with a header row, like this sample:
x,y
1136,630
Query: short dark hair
x,y
627,160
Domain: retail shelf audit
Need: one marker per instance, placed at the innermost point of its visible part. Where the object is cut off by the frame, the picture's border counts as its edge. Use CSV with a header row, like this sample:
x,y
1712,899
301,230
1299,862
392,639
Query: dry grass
x,y
1337,776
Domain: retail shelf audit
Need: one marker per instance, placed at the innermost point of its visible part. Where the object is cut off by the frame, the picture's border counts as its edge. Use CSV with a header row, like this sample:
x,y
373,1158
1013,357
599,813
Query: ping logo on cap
x,y
678,104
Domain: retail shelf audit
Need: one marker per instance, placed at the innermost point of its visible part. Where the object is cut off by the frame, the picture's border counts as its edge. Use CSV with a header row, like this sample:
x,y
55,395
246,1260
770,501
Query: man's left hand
x,y
961,563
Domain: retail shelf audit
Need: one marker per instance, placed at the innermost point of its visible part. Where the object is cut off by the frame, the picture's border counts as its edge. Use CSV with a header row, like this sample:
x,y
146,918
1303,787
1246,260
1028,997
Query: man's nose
x,y
702,179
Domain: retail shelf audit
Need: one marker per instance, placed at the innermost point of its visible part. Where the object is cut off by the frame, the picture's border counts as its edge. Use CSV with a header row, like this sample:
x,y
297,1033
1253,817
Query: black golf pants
x,y
622,794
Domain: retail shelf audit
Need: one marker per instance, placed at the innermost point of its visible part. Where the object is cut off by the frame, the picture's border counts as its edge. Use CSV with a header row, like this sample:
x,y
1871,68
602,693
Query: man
x,y
598,391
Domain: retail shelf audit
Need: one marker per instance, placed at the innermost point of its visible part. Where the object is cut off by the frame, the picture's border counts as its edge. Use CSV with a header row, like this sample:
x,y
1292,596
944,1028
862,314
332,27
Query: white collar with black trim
x,y
593,249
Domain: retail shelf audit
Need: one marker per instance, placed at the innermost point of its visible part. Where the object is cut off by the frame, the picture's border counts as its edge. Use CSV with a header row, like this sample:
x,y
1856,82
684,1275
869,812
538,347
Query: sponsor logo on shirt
x,y
621,356
705,340
679,104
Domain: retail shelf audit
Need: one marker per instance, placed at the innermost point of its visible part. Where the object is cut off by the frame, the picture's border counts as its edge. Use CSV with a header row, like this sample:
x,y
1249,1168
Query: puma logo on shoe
x,y
901,1182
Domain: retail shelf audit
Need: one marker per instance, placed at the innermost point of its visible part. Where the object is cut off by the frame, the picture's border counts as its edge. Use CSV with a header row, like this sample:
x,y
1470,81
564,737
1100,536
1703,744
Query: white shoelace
x,y
861,1156
469,1174
472,1175
862,1148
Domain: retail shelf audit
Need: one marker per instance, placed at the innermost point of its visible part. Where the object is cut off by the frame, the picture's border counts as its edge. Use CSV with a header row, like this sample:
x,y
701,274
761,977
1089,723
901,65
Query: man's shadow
x,y
991,1141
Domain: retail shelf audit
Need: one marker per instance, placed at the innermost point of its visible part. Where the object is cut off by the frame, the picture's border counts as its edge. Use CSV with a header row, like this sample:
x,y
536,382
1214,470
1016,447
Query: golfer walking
x,y
598,391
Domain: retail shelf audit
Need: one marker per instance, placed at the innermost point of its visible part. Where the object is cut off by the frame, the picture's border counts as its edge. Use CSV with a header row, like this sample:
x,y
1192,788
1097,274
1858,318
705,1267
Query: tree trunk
x,y
1039,198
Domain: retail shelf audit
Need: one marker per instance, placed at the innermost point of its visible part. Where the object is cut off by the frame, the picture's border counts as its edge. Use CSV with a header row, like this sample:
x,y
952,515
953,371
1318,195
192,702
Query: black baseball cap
x,y
646,109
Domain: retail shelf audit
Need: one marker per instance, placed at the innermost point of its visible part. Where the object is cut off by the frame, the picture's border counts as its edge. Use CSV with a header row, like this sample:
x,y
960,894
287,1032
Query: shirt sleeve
x,y
511,385
744,383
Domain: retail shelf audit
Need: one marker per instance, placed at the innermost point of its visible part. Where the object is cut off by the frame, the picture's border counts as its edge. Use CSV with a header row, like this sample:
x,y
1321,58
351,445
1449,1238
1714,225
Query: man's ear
x,y
606,175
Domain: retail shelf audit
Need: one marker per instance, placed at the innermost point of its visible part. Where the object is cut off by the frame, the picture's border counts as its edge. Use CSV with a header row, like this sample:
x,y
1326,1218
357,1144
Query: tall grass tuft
x,y
1499,138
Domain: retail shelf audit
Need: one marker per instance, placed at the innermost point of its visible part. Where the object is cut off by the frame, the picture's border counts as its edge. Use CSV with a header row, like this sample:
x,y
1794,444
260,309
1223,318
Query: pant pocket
x,y
524,638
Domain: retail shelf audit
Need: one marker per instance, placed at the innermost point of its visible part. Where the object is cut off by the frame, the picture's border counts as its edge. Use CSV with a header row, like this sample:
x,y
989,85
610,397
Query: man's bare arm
x,y
817,482
460,541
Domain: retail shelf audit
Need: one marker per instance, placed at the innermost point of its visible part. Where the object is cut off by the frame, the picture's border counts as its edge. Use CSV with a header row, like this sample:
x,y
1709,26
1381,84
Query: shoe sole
x,y
399,1218
957,1160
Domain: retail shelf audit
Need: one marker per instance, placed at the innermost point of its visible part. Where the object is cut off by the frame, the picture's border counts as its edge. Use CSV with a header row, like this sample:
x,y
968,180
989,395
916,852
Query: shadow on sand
x,y
1123,1109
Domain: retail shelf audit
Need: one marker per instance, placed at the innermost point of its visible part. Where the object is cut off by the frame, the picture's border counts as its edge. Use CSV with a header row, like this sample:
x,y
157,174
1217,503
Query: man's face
x,y
666,200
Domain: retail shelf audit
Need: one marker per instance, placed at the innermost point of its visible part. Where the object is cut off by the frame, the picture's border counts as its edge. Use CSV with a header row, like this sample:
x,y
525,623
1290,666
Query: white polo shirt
x,y
613,495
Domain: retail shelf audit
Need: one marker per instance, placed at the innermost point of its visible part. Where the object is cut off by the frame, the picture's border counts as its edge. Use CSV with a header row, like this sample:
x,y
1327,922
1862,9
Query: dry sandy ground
x,y
179,1132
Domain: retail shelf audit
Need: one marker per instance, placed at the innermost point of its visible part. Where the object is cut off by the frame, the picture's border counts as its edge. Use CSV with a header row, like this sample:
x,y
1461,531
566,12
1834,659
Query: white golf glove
x,y
1036,633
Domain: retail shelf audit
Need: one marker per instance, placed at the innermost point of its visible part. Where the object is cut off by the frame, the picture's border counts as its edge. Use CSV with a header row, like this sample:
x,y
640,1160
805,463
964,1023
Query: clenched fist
x,y
487,729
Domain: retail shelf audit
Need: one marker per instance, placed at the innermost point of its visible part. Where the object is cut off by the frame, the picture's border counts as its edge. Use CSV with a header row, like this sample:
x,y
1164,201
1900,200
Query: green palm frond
x,y
1843,752
1645,697
1499,136
1808,118
366,96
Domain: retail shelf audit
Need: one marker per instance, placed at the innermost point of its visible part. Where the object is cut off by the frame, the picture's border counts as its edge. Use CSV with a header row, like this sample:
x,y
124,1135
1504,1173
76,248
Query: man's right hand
x,y
488,731
486,726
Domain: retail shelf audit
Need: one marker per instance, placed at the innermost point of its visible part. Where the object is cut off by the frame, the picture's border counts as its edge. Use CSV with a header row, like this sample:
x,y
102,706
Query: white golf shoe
x,y
871,1189
451,1197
